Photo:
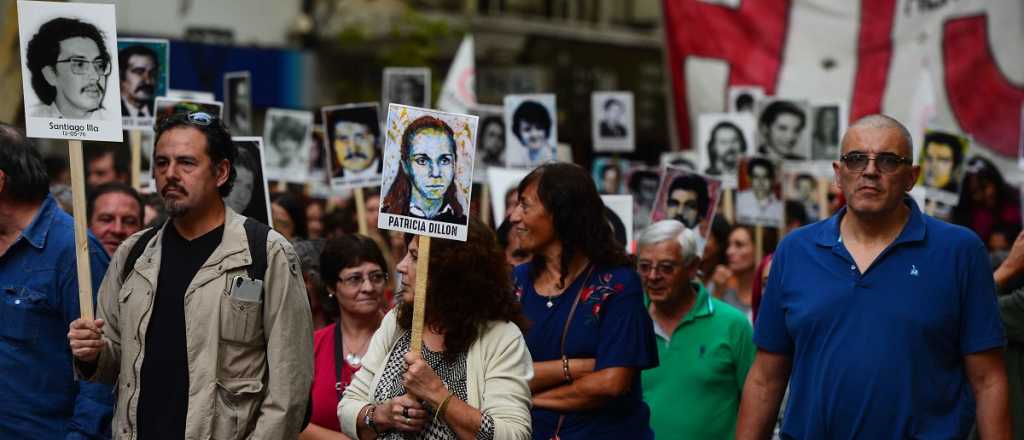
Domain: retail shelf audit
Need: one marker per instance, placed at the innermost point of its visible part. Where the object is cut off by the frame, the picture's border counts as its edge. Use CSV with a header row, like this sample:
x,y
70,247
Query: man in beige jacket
x,y
197,346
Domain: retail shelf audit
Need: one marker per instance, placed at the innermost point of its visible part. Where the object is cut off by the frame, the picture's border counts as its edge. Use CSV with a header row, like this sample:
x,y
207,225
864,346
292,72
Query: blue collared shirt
x,y
879,354
39,396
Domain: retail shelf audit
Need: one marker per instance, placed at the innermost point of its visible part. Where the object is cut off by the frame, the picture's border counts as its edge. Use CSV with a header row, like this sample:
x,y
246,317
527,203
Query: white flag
x,y
459,91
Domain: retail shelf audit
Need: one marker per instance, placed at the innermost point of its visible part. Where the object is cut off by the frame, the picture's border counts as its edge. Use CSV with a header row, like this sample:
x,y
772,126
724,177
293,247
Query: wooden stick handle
x,y
485,205
135,141
81,235
727,206
758,244
361,211
420,298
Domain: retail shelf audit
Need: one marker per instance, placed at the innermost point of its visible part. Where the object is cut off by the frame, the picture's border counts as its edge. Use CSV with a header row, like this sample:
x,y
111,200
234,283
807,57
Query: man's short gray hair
x,y
883,121
671,230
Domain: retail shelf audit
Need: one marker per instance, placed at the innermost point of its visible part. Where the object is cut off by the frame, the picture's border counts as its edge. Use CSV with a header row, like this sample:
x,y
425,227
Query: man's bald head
x,y
883,122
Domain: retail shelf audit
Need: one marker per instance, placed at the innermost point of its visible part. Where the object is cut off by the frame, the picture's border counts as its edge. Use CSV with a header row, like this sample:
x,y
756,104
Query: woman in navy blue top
x,y
586,384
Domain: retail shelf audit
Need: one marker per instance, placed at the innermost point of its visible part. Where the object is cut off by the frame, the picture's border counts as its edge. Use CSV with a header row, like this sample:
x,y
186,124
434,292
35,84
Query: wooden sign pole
x,y
81,235
727,206
823,187
485,206
420,298
758,244
135,140
361,211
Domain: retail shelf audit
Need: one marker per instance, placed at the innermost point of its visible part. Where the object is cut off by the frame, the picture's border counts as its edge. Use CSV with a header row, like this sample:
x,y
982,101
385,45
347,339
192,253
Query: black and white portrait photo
x,y
353,144
758,201
238,102
249,195
642,183
490,143
722,138
828,126
531,135
685,159
783,129
612,121
407,86
145,75
743,99
286,138
69,71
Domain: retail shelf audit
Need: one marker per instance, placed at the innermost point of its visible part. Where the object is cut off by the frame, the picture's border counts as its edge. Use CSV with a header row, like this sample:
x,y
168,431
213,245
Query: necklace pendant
x,y
550,304
354,360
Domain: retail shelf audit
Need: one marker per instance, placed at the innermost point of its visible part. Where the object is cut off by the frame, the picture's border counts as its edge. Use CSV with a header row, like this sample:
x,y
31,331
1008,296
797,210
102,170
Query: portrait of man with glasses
x,y
69,64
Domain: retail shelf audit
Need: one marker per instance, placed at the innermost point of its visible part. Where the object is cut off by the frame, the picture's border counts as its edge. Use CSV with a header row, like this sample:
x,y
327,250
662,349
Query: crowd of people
x,y
876,322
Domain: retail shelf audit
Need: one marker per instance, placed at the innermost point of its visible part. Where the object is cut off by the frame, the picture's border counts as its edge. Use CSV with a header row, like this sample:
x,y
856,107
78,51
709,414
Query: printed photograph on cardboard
x,y
610,174
689,198
354,146
504,184
238,102
722,139
807,191
147,140
612,122
743,99
249,194
317,179
407,86
428,172
491,140
619,210
827,128
758,201
165,107
145,74
531,137
69,71
783,129
942,158
642,183
286,138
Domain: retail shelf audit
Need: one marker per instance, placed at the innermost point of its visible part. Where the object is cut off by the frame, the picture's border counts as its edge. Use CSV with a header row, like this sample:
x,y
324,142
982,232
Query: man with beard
x,y
725,145
139,69
70,64
207,330
687,200
355,144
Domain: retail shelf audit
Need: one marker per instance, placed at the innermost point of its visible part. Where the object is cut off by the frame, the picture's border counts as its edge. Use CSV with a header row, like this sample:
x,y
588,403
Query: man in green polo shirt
x,y
705,346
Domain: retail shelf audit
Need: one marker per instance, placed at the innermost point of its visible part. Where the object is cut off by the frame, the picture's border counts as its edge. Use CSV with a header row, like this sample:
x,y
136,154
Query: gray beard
x,y
175,210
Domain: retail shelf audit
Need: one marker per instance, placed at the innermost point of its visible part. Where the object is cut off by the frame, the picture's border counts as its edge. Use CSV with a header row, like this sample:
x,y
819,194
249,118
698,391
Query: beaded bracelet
x,y
565,370
368,419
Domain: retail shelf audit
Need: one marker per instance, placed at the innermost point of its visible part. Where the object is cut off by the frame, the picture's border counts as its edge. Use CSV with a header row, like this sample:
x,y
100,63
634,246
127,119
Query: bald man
x,y
882,319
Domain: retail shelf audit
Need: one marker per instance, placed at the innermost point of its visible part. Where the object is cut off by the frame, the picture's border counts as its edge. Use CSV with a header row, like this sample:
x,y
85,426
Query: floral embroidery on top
x,y
594,295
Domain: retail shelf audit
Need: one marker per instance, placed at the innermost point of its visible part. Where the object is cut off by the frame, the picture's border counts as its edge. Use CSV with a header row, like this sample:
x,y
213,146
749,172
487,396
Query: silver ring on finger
x,y
407,420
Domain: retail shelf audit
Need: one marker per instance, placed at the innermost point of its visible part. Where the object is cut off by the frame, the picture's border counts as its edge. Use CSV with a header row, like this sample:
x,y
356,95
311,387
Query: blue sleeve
x,y
94,404
626,334
981,328
770,333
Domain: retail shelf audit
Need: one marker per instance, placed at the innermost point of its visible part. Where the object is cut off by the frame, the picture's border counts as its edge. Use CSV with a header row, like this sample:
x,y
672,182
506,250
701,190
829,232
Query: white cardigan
x,y
498,369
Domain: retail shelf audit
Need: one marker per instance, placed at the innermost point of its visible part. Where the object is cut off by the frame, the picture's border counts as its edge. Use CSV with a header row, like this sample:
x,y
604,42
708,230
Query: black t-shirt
x,y
163,399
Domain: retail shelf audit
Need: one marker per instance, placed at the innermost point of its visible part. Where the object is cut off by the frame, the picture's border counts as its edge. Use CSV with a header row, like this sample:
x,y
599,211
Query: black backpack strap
x,y
136,252
256,233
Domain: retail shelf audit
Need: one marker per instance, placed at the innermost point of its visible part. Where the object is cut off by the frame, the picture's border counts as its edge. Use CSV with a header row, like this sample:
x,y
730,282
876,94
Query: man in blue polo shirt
x,y
883,320
39,396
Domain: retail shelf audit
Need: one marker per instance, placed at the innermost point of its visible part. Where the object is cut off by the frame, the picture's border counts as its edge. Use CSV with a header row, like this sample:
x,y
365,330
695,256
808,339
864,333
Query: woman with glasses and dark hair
x,y
469,380
590,333
354,278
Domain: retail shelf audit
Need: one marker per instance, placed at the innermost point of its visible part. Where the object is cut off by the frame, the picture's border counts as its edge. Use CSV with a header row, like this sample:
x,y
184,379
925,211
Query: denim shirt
x,y
39,396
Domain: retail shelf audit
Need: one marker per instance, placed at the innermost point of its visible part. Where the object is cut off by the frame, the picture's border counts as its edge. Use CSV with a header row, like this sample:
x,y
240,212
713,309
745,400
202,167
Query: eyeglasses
x,y
79,65
886,162
664,268
376,278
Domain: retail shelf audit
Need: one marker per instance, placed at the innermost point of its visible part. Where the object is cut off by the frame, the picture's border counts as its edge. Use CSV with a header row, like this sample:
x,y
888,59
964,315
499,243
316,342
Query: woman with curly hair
x,y
590,335
470,378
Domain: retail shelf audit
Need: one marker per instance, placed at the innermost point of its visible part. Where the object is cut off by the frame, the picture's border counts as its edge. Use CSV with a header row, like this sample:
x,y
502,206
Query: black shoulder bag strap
x,y
256,234
137,249
338,358
565,333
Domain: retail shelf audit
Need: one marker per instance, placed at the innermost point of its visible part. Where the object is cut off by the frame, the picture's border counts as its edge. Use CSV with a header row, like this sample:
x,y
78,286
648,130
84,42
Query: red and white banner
x,y
875,54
